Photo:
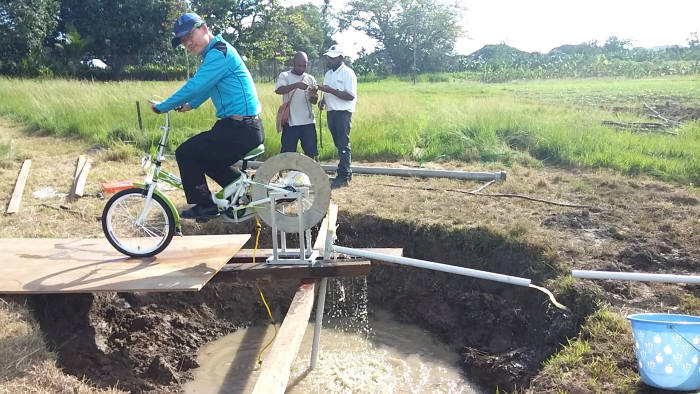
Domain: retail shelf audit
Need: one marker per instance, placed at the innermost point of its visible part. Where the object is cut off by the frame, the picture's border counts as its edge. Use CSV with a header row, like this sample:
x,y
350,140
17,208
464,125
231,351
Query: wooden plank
x,y
331,218
16,199
274,374
246,255
34,265
80,180
251,271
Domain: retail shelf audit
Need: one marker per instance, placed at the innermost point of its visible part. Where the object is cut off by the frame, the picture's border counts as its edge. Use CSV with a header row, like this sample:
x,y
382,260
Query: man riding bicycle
x,y
225,79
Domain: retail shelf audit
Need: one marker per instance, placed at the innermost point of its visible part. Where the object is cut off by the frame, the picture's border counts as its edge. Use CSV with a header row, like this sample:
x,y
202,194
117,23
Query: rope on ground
x,y
262,297
474,193
551,297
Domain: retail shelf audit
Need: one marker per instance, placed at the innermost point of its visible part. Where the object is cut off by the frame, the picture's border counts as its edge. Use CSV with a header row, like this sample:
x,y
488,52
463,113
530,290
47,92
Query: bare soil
x,y
148,342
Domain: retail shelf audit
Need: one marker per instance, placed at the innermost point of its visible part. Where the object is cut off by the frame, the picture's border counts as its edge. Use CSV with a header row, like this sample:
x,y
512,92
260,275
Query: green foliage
x,y
120,33
23,27
528,122
417,35
155,72
501,63
7,155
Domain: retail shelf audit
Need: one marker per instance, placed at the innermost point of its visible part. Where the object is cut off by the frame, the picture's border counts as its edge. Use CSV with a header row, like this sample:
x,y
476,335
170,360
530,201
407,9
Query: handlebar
x,y
154,102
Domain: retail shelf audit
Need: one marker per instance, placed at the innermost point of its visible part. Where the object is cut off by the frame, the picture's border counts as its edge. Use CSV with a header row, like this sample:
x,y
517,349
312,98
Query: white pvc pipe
x,y
512,280
320,304
583,274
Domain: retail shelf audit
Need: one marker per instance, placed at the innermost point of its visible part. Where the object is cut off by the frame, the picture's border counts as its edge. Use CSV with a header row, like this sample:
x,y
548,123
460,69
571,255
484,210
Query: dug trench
x,y
148,342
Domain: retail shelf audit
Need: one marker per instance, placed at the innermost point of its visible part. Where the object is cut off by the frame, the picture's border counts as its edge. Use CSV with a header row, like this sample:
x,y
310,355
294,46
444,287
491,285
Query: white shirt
x,y
342,79
300,110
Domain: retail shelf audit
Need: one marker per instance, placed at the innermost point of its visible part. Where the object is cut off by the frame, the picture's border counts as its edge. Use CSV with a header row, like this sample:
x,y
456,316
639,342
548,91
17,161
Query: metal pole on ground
x,y
418,172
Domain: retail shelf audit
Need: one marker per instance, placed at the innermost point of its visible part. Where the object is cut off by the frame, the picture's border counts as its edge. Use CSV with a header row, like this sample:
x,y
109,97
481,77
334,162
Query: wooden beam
x,y
246,255
13,206
323,269
274,374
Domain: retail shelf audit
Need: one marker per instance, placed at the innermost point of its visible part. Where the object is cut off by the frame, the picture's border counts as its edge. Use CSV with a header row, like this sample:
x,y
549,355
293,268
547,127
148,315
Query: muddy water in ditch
x,y
383,357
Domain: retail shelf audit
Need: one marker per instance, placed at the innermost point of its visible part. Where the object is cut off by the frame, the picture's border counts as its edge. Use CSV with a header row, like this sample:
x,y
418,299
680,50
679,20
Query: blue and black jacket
x,y
224,78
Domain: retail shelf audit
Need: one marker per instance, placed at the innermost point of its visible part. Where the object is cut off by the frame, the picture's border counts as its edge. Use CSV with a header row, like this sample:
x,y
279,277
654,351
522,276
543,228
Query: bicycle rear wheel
x,y
295,172
137,239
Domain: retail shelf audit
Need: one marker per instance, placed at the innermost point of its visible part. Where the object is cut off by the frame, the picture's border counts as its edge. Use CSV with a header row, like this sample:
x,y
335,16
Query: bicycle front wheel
x,y
135,238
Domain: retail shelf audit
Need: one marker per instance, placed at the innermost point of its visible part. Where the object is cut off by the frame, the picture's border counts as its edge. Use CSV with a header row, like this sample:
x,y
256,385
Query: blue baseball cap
x,y
183,25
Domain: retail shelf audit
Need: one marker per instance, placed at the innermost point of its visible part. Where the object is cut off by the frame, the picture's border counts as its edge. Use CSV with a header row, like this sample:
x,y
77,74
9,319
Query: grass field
x,y
552,122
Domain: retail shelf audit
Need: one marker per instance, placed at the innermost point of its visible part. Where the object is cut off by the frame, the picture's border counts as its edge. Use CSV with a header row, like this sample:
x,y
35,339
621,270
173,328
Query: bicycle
x,y
141,221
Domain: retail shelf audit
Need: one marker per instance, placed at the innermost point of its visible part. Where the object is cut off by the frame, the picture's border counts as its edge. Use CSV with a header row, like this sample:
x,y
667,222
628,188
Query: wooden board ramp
x,y
276,368
39,265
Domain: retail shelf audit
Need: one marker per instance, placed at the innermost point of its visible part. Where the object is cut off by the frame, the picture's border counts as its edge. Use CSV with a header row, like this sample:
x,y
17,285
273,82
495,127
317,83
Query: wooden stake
x,y
79,166
80,178
13,206
138,114
330,218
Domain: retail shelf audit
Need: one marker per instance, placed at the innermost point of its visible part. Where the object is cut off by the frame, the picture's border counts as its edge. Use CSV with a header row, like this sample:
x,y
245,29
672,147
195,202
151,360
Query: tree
x,y
122,32
694,50
303,27
24,26
416,34
617,48
227,16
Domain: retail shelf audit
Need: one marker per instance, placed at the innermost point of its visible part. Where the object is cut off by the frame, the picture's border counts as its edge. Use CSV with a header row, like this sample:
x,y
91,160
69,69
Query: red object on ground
x,y
115,186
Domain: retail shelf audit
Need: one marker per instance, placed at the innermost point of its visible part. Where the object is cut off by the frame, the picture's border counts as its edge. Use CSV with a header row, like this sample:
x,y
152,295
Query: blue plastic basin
x,y
667,348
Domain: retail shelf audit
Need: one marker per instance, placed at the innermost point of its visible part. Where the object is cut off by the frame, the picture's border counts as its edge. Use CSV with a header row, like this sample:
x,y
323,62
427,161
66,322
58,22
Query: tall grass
x,y
555,122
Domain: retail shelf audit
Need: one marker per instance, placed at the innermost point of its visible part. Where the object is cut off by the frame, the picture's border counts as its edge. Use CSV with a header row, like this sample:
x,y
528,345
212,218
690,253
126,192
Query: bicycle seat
x,y
252,154
255,152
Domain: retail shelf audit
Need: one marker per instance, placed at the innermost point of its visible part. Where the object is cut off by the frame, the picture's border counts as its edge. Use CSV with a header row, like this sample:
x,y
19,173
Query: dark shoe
x,y
338,183
200,211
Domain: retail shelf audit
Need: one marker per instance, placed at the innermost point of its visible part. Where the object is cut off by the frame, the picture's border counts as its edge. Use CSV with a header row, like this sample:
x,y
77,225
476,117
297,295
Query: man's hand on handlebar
x,y
184,107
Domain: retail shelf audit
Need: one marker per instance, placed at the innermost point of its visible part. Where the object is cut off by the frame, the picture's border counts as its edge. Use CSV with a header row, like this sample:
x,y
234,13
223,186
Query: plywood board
x,y
39,265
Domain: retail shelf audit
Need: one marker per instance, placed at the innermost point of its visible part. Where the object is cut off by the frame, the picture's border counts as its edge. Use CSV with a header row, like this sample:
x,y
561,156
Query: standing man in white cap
x,y
340,88
225,79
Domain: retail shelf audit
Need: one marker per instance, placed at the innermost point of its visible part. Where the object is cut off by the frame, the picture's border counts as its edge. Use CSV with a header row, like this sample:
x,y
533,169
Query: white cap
x,y
334,51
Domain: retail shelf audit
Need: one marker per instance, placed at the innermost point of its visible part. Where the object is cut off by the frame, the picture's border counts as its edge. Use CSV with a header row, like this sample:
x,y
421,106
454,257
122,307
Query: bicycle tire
x,y
124,235
319,190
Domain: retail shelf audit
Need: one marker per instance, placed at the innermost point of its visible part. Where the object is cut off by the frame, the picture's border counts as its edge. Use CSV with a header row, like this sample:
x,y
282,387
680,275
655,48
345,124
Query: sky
x,y
540,25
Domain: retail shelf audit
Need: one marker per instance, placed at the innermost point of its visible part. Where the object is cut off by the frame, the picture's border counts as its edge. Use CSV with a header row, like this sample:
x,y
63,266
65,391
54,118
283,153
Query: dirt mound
x,y
147,342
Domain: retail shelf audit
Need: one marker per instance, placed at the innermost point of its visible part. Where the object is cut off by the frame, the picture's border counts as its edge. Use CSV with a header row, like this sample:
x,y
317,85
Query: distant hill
x,y
494,51
488,52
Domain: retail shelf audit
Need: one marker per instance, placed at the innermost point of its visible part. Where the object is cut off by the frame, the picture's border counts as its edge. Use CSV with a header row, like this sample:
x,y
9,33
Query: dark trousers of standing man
x,y
339,123
306,133
213,152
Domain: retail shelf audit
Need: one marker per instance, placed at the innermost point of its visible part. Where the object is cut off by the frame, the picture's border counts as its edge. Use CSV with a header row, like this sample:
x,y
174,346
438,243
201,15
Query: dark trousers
x,y
291,135
339,123
213,152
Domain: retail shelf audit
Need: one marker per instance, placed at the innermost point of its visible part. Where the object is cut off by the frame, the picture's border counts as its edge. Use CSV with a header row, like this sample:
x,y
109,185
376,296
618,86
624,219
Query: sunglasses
x,y
188,36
